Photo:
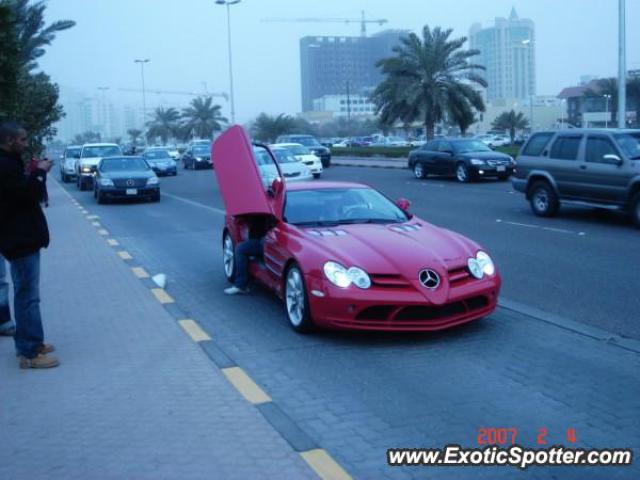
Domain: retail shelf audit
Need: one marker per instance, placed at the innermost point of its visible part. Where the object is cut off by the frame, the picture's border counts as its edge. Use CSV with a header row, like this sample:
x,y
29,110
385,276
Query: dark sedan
x,y
465,158
125,177
197,156
160,160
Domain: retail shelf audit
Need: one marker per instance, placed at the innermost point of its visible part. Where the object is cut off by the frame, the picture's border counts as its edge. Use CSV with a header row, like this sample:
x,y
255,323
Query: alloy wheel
x,y
295,297
228,256
462,175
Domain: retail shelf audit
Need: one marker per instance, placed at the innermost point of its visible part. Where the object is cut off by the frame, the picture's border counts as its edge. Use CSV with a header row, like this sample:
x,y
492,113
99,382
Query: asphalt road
x,y
359,394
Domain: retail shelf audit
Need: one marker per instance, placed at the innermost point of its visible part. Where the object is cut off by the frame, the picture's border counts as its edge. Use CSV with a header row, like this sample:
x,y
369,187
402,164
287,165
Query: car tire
x,y
419,171
316,175
156,198
296,301
503,178
81,184
543,199
99,198
635,209
228,257
63,177
462,173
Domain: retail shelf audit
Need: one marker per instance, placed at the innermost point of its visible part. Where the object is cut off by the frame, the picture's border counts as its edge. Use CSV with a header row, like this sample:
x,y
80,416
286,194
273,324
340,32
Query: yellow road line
x,y
104,232
162,296
324,465
113,242
245,385
140,272
125,255
193,330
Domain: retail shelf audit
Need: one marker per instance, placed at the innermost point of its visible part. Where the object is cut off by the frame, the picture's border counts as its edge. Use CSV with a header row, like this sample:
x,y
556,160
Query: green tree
x,y
511,121
86,137
202,118
606,86
463,118
9,61
164,124
267,128
426,77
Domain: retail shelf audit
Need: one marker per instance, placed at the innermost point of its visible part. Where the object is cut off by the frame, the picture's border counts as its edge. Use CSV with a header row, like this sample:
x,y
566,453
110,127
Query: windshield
x,y
298,150
103,151
630,144
465,146
123,164
284,155
333,206
70,152
201,150
306,141
157,154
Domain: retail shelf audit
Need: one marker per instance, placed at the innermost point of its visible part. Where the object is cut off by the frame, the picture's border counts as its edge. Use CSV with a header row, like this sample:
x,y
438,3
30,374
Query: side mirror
x,y
403,204
613,159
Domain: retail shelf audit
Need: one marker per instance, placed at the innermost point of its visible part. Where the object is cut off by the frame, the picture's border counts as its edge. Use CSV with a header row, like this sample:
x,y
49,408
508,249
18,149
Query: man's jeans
x,y
244,250
5,311
25,273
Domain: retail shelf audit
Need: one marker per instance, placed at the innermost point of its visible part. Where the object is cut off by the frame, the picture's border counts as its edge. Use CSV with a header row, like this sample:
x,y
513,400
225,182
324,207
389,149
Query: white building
x,y
344,106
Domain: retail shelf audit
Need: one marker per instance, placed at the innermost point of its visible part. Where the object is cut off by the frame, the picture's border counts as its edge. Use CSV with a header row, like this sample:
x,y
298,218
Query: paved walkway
x,y
135,397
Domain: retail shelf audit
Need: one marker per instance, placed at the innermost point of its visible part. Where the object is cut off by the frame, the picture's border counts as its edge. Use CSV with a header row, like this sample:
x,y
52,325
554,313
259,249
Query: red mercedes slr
x,y
342,255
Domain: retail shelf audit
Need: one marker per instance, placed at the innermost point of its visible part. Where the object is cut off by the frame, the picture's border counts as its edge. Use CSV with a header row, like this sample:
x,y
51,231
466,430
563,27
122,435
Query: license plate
x,y
132,191
501,168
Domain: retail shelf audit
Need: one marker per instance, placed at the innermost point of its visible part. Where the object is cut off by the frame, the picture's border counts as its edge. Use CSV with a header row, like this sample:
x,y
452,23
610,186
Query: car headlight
x,y
86,169
198,159
342,277
481,265
477,161
153,181
106,182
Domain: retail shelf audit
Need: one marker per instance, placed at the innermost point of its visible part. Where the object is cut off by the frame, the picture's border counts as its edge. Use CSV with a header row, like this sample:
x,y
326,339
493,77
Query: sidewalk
x,y
134,396
375,162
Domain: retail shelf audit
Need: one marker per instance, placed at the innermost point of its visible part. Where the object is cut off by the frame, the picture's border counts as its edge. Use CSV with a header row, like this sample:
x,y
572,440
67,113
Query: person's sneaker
x,y
41,361
236,291
46,348
8,332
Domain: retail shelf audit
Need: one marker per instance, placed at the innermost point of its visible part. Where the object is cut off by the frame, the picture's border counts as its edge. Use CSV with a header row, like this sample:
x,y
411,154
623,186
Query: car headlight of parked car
x,y
106,182
86,169
481,265
342,277
477,161
153,181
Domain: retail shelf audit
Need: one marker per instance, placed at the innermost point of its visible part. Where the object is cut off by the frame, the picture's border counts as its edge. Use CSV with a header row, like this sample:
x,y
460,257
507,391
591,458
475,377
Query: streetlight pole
x,y
528,44
622,64
607,97
228,4
144,94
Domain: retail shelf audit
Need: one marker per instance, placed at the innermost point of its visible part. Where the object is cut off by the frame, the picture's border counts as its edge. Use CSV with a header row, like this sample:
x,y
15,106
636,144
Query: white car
x,y
292,169
500,141
303,154
87,164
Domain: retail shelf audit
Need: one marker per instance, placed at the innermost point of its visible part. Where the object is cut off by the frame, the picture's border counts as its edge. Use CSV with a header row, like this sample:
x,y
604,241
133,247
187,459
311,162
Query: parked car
x,y
68,162
391,142
303,154
341,144
465,158
342,255
174,152
500,141
291,167
311,143
125,177
598,168
90,156
197,156
160,161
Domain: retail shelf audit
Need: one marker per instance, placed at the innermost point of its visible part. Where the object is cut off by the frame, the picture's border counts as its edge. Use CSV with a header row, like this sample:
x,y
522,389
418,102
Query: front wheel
x,y
462,173
228,257
419,171
543,199
296,301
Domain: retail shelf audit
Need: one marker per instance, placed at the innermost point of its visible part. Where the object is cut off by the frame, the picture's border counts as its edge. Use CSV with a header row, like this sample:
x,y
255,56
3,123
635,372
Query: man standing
x,y
23,232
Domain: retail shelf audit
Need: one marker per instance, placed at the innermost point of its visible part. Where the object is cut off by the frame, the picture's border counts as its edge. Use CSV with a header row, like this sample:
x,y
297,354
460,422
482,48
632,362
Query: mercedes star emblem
x,y
130,182
429,278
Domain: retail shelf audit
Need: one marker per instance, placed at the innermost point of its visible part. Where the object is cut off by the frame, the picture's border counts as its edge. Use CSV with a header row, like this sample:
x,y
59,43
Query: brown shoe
x,y
46,348
41,361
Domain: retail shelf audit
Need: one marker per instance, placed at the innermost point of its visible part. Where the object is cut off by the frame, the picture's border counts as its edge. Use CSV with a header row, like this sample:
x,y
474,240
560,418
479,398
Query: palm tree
x,y
427,76
202,118
33,35
463,117
606,86
511,121
134,133
267,128
164,124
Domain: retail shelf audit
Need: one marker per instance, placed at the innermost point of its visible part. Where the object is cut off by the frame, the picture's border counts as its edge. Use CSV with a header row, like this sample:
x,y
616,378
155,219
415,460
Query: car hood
x,y
485,155
90,160
395,249
128,174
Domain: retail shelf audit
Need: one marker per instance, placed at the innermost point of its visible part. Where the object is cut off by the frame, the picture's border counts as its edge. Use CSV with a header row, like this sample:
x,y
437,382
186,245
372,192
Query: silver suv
x,y
597,168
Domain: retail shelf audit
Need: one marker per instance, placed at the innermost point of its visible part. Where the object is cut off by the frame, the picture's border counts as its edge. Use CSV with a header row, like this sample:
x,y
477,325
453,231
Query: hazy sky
x,y
187,43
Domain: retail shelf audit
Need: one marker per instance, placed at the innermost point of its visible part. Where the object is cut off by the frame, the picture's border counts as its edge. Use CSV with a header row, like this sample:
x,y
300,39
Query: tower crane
x,y
362,21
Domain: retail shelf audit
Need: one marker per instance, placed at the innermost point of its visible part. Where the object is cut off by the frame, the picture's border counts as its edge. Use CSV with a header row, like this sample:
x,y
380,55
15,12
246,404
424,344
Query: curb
x,y
571,325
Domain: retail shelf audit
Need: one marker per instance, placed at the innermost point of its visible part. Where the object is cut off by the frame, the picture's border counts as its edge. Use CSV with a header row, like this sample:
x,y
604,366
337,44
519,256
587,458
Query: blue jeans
x,y
244,250
5,311
25,273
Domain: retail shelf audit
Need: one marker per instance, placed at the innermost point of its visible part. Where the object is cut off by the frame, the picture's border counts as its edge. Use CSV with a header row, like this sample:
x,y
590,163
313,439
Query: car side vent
x,y
328,233
406,228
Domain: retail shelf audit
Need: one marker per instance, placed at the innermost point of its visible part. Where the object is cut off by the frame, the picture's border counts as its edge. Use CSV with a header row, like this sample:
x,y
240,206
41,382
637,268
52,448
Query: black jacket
x,y
23,226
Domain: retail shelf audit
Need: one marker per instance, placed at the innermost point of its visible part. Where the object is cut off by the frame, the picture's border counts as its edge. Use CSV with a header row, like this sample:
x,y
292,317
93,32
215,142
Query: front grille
x,y
458,275
422,313
137,183
388,281
493,163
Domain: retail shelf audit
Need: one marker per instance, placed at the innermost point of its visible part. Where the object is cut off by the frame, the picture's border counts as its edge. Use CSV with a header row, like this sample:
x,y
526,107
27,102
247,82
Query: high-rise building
x,y
342,65
507,50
